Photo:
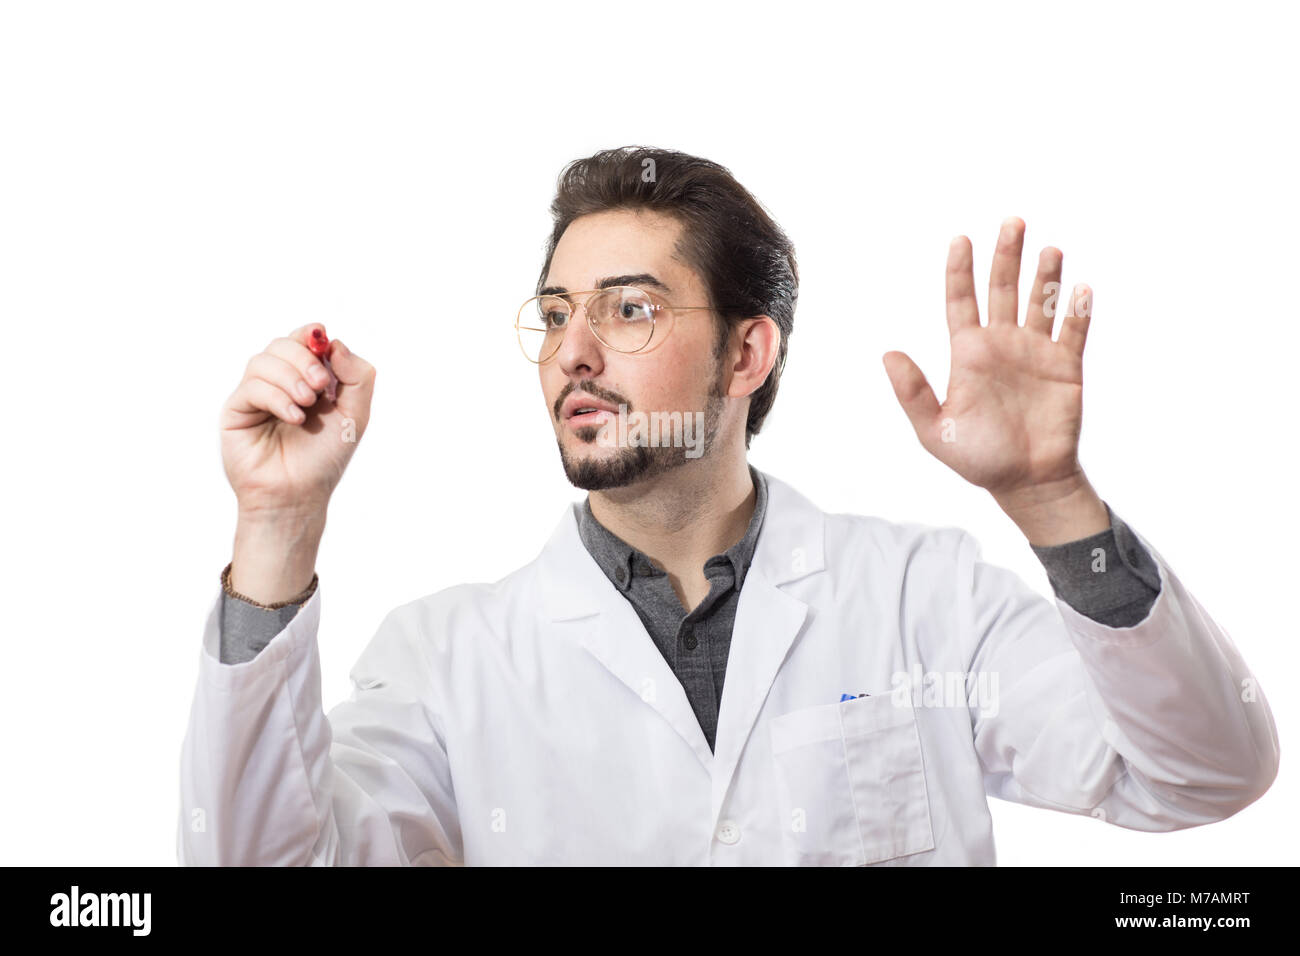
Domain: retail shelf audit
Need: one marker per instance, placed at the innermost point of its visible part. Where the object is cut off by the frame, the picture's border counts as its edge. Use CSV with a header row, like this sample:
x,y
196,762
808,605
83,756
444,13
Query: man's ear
x,y
759,340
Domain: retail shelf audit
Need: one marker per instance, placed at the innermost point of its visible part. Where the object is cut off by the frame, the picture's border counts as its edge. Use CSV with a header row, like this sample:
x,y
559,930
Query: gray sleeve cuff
x,y
1109,576
247,628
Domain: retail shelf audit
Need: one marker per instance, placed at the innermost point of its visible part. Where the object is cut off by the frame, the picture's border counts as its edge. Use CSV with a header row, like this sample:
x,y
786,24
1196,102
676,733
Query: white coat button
x,y
728,832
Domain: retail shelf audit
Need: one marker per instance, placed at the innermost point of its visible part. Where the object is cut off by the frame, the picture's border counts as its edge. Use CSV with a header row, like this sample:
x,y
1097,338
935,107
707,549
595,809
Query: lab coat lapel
x,y
580,603
791,545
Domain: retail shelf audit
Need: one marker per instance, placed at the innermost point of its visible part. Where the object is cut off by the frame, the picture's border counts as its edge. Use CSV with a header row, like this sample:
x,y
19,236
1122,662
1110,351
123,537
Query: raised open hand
x,y
1010,422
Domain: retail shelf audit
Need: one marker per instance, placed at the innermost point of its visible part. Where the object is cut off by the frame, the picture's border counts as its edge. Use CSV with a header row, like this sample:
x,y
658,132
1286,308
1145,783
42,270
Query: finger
x,y
278,372
963,310
1041,314
254,400
1074,327
292,351
1004,276
913,393
356,384
350,367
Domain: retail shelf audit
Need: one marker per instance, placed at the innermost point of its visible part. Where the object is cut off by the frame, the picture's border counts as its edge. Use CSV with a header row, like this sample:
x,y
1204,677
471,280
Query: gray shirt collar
x,y
620,561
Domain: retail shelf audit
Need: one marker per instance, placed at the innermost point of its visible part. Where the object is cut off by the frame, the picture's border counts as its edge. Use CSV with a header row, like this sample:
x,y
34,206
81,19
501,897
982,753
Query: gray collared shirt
x,y
695,643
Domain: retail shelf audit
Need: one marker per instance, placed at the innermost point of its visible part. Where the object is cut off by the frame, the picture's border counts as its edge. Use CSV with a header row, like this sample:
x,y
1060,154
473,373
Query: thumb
x,y
912,391
356,380
350,367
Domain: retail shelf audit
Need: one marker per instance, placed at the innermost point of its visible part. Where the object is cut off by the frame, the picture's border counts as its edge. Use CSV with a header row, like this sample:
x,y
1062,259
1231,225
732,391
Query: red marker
x,y
319,345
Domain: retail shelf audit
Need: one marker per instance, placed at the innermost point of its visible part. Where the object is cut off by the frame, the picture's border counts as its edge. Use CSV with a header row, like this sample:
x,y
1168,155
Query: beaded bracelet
x,y
225,584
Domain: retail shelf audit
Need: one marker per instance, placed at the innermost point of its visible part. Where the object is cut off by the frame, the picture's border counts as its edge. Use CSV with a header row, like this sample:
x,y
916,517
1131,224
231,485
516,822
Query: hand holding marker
x,y
284,451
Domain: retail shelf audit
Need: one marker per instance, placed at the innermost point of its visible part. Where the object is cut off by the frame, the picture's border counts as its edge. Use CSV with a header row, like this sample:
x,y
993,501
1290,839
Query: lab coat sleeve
x,y
268,779
1156,726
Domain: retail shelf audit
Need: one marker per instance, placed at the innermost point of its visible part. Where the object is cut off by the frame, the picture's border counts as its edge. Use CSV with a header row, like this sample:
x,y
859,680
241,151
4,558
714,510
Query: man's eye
x,y
556,319
632,311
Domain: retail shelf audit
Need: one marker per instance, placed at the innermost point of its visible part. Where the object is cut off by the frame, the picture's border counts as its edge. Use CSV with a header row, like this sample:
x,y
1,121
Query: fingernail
x,y
296,414
316,375
304,391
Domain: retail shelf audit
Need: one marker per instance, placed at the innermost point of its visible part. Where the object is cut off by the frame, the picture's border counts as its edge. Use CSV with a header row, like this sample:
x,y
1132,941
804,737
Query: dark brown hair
x,y
746,261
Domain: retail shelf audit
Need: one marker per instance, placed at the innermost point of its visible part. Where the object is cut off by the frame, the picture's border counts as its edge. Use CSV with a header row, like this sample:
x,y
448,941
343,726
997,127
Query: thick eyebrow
x,y
640,278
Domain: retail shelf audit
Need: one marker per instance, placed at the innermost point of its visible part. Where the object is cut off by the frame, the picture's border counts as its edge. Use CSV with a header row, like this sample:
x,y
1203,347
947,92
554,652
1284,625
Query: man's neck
x,y
686,516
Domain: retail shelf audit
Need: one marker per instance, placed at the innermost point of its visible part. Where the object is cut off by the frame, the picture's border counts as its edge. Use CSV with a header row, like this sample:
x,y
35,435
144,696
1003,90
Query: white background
x,y
183,182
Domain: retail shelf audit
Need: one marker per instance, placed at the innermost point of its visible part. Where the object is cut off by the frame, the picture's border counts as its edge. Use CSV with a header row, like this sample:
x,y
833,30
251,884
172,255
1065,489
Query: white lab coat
x,y
534,721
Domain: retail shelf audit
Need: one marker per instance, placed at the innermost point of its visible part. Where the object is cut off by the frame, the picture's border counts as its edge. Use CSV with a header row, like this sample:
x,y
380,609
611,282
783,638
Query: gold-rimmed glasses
x,y
622,317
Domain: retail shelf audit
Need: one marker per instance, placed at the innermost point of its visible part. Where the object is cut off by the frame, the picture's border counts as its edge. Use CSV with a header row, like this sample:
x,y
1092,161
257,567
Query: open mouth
x,y
581,409
589,415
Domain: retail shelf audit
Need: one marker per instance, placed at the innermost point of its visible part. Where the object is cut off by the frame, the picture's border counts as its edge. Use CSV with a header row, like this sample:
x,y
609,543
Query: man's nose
x,y
579,347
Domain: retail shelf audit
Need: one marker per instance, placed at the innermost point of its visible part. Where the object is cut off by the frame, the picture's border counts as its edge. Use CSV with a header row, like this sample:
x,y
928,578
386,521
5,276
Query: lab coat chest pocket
x,y
851,782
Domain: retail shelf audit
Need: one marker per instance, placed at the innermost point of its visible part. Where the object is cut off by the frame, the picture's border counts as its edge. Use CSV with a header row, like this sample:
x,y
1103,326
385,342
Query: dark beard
x,y
628,466
638,462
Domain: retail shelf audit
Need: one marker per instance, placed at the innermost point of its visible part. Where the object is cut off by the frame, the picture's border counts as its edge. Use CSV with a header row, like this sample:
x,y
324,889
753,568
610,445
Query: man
x,y
701,666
